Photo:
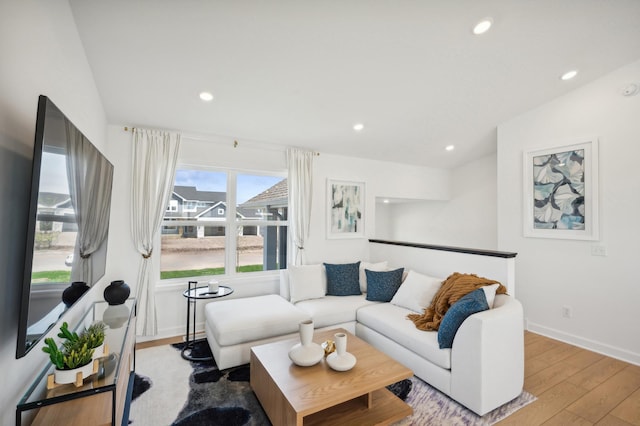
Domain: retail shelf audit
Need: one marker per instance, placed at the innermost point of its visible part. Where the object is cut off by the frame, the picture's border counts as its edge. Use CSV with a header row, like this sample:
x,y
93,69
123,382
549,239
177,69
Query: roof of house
x,y
277,195
192,193
215,199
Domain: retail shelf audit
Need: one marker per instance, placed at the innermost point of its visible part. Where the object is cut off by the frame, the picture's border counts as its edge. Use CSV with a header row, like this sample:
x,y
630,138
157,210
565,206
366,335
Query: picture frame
x,y
561,191
345,209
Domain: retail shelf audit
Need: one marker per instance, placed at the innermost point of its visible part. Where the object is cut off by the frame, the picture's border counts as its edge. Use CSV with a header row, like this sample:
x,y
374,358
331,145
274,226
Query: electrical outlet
x,y
567,312
598,251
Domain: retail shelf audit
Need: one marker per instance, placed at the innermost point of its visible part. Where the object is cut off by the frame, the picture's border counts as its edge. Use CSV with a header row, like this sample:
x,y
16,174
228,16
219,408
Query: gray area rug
x,y
214,397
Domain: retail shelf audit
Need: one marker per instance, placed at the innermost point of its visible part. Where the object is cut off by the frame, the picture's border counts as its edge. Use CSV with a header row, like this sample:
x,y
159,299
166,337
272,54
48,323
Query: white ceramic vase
x,y
306,353
341,360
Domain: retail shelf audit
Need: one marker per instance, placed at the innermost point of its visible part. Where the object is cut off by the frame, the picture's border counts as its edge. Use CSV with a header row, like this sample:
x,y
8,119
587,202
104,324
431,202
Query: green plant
x,y
55,355
94,335
66,334
77,351
75,354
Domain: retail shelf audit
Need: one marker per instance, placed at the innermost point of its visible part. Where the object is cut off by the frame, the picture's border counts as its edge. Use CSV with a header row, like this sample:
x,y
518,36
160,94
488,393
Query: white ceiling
x,y
302,72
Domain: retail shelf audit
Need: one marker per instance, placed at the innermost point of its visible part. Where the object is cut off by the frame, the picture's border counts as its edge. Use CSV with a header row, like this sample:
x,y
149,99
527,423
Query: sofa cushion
x,y
343,279
468,305
333,310
382,286
306,282
417,291
380,266
490,293
252,318
391,321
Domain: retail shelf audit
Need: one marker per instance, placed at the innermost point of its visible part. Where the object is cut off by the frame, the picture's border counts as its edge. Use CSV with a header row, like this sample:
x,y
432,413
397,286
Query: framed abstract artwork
x,y
561,191
345,209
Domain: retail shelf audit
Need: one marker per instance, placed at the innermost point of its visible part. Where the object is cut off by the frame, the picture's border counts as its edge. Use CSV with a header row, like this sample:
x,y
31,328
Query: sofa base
x,y
239,354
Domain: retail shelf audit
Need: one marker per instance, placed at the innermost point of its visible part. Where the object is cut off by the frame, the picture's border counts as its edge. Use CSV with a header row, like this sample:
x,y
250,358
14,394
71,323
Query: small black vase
x,y
117,292
74,292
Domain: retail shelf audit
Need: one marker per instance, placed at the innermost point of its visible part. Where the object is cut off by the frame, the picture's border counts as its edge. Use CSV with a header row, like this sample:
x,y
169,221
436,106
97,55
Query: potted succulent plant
x,y
94,337
75,357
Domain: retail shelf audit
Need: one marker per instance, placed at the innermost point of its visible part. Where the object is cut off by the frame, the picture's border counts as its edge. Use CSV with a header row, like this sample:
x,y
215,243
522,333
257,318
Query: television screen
x,y
68,225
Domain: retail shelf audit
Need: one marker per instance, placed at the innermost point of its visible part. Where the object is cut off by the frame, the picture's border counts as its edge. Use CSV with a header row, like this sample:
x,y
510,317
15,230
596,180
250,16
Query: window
x,y
190,206
173,206
232,223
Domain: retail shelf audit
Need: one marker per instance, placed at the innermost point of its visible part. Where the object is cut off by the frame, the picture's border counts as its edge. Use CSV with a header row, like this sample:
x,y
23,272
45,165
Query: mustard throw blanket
x,y
452,289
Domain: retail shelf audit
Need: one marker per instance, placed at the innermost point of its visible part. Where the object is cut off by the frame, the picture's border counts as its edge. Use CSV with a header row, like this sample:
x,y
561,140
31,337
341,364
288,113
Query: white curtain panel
x,y
300,165
155,154
90,179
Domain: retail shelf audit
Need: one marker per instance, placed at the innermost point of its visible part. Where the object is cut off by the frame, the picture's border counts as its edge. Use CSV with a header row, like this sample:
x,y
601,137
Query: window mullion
x,y
231,228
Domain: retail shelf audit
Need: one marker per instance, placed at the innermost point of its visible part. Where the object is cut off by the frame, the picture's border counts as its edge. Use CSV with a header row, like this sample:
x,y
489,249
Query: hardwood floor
x,y
576,387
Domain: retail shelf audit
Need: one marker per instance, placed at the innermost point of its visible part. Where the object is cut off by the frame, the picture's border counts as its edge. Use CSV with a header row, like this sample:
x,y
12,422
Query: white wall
x,y
41,54
380,178
468,219
603,292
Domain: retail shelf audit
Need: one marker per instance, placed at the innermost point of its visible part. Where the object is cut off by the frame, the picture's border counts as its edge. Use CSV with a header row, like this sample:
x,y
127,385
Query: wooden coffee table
x,y
293,395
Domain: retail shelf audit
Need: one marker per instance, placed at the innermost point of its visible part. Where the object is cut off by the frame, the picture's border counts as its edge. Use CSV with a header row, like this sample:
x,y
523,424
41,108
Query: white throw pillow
x,y
377,267
490,293
284,284
307,282
417,291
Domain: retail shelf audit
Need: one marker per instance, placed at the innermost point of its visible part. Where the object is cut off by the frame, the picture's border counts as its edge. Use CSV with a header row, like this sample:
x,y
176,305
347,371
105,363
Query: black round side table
x,y
193,294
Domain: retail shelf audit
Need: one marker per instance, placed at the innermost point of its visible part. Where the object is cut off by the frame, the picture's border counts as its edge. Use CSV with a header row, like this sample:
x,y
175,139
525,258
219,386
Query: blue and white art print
x,y
561,192
345,214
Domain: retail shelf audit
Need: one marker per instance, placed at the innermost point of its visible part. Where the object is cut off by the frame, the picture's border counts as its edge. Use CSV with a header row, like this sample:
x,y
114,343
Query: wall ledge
x,y
479,252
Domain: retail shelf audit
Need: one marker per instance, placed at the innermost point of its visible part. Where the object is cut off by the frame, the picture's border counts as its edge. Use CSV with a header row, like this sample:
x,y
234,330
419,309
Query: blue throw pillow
x,y
467,305
343,279
382,285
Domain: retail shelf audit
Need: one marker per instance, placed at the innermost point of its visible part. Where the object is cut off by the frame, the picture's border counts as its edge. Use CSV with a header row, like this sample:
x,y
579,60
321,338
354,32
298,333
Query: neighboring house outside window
x,y
218,226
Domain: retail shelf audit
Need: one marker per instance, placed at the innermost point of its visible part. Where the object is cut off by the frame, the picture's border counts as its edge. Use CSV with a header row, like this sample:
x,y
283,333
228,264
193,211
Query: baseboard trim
x,y
592,345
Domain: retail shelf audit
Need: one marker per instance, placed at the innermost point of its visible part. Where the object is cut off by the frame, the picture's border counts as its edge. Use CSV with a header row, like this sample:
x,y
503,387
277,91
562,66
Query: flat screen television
x,y
68,223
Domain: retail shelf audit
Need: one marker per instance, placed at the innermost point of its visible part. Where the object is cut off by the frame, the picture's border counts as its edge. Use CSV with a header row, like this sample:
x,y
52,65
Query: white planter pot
x,y
98,352
69,376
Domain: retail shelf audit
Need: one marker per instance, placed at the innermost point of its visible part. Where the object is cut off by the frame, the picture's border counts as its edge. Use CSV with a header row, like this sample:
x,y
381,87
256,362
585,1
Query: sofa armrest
x,y
487,357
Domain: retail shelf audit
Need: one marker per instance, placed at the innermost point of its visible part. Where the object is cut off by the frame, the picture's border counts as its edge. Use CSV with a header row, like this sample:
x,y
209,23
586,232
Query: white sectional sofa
x,y
482,370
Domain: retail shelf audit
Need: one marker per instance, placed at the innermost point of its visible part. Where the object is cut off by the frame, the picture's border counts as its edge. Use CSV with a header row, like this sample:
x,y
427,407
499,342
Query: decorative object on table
x,y
94,336
306,353
561,191
213,286
115,316
72,293
74,362
341,360
116,292
345,209
329,346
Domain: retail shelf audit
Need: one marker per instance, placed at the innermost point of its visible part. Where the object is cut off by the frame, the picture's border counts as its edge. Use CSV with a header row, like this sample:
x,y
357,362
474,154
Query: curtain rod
x,y
235,142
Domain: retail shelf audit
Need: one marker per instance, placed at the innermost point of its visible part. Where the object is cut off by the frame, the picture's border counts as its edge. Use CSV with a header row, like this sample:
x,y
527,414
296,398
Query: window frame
x,y
231,223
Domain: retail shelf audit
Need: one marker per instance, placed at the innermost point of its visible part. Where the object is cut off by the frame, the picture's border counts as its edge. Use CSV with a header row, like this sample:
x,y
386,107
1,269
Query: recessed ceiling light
x,y
358,127
569,75
385,201
450,147
483,26
206,96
